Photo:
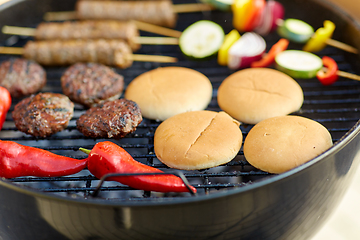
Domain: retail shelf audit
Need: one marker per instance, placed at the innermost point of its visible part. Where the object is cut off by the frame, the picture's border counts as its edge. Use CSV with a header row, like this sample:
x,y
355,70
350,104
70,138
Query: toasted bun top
x,y
197,140
279,144
165,92
254,94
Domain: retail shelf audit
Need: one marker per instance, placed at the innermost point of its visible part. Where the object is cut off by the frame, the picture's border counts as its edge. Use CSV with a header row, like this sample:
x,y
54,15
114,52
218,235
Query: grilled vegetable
x,y
202,39
249,48
255,11
5,103
328,76
268,19
295,30
318,41
247,13
107,157
229,40
298,64
17,160
277,11
269,58
241,12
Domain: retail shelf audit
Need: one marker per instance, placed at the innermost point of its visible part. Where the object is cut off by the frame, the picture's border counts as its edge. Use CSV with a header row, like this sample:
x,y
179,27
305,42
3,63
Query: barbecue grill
x,y
234,201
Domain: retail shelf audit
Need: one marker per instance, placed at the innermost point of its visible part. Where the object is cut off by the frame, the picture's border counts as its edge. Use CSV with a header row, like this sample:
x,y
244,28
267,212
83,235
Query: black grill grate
x,y
336,107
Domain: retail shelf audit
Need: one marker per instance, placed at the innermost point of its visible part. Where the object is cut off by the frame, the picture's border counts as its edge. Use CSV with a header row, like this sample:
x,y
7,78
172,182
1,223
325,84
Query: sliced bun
x,y
279,144
254,94
197,140
165,92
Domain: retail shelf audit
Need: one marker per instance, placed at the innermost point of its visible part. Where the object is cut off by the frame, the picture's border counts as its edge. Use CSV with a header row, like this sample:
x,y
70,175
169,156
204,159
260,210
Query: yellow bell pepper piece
x,y
318,41
241,11
229,40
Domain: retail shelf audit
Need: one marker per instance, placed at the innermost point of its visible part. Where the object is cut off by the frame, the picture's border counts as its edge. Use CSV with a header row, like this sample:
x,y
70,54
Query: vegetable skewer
x,y
127,31
264,17
305,65
109,52
162,13
301,32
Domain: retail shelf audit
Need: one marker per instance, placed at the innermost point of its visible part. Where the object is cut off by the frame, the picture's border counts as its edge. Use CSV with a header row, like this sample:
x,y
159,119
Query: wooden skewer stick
x,y
191,7
344,74
157,40
348,75
25,31
152,58
148,27
60,16
12,50
341,45
134,57
22,31
176,8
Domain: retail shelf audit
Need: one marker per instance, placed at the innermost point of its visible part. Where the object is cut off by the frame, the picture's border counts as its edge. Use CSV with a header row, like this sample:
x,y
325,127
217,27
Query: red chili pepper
x,y
107,157
5,103
269,58
17,160
329,76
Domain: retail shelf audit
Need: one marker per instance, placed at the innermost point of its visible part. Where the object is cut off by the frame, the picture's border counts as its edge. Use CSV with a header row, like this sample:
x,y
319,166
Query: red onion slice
x,y
266,20
249,48
278,12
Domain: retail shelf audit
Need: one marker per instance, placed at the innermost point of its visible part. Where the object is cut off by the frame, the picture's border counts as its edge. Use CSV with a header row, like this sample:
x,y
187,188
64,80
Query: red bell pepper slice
x,y
5,103
257,6
329,75
269,58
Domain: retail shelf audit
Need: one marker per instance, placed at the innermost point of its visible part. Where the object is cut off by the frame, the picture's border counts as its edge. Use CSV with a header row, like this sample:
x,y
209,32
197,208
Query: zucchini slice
x,y
298,64
201,39
295,30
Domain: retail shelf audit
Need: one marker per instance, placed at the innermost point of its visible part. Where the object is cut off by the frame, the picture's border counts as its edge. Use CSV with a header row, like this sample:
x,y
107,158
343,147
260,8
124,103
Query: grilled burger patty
x,y
91,84
21,76
113,119
43,114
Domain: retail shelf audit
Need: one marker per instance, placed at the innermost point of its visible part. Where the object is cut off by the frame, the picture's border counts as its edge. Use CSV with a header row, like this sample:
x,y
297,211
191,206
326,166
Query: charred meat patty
x,y
113,119
21,77
43,114
91,84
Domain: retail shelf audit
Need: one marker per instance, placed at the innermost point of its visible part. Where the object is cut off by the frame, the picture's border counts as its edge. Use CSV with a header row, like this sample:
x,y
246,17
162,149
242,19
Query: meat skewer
x,y
108,52
162,13
103,29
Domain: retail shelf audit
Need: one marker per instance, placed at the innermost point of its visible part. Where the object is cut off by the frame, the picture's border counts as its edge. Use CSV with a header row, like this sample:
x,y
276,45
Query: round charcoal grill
x,y
234,201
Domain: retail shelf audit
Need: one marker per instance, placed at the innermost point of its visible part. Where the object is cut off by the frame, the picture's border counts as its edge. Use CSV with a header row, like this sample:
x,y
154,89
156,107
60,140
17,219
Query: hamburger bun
x,y
197,140
254,94
165,92
279,144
